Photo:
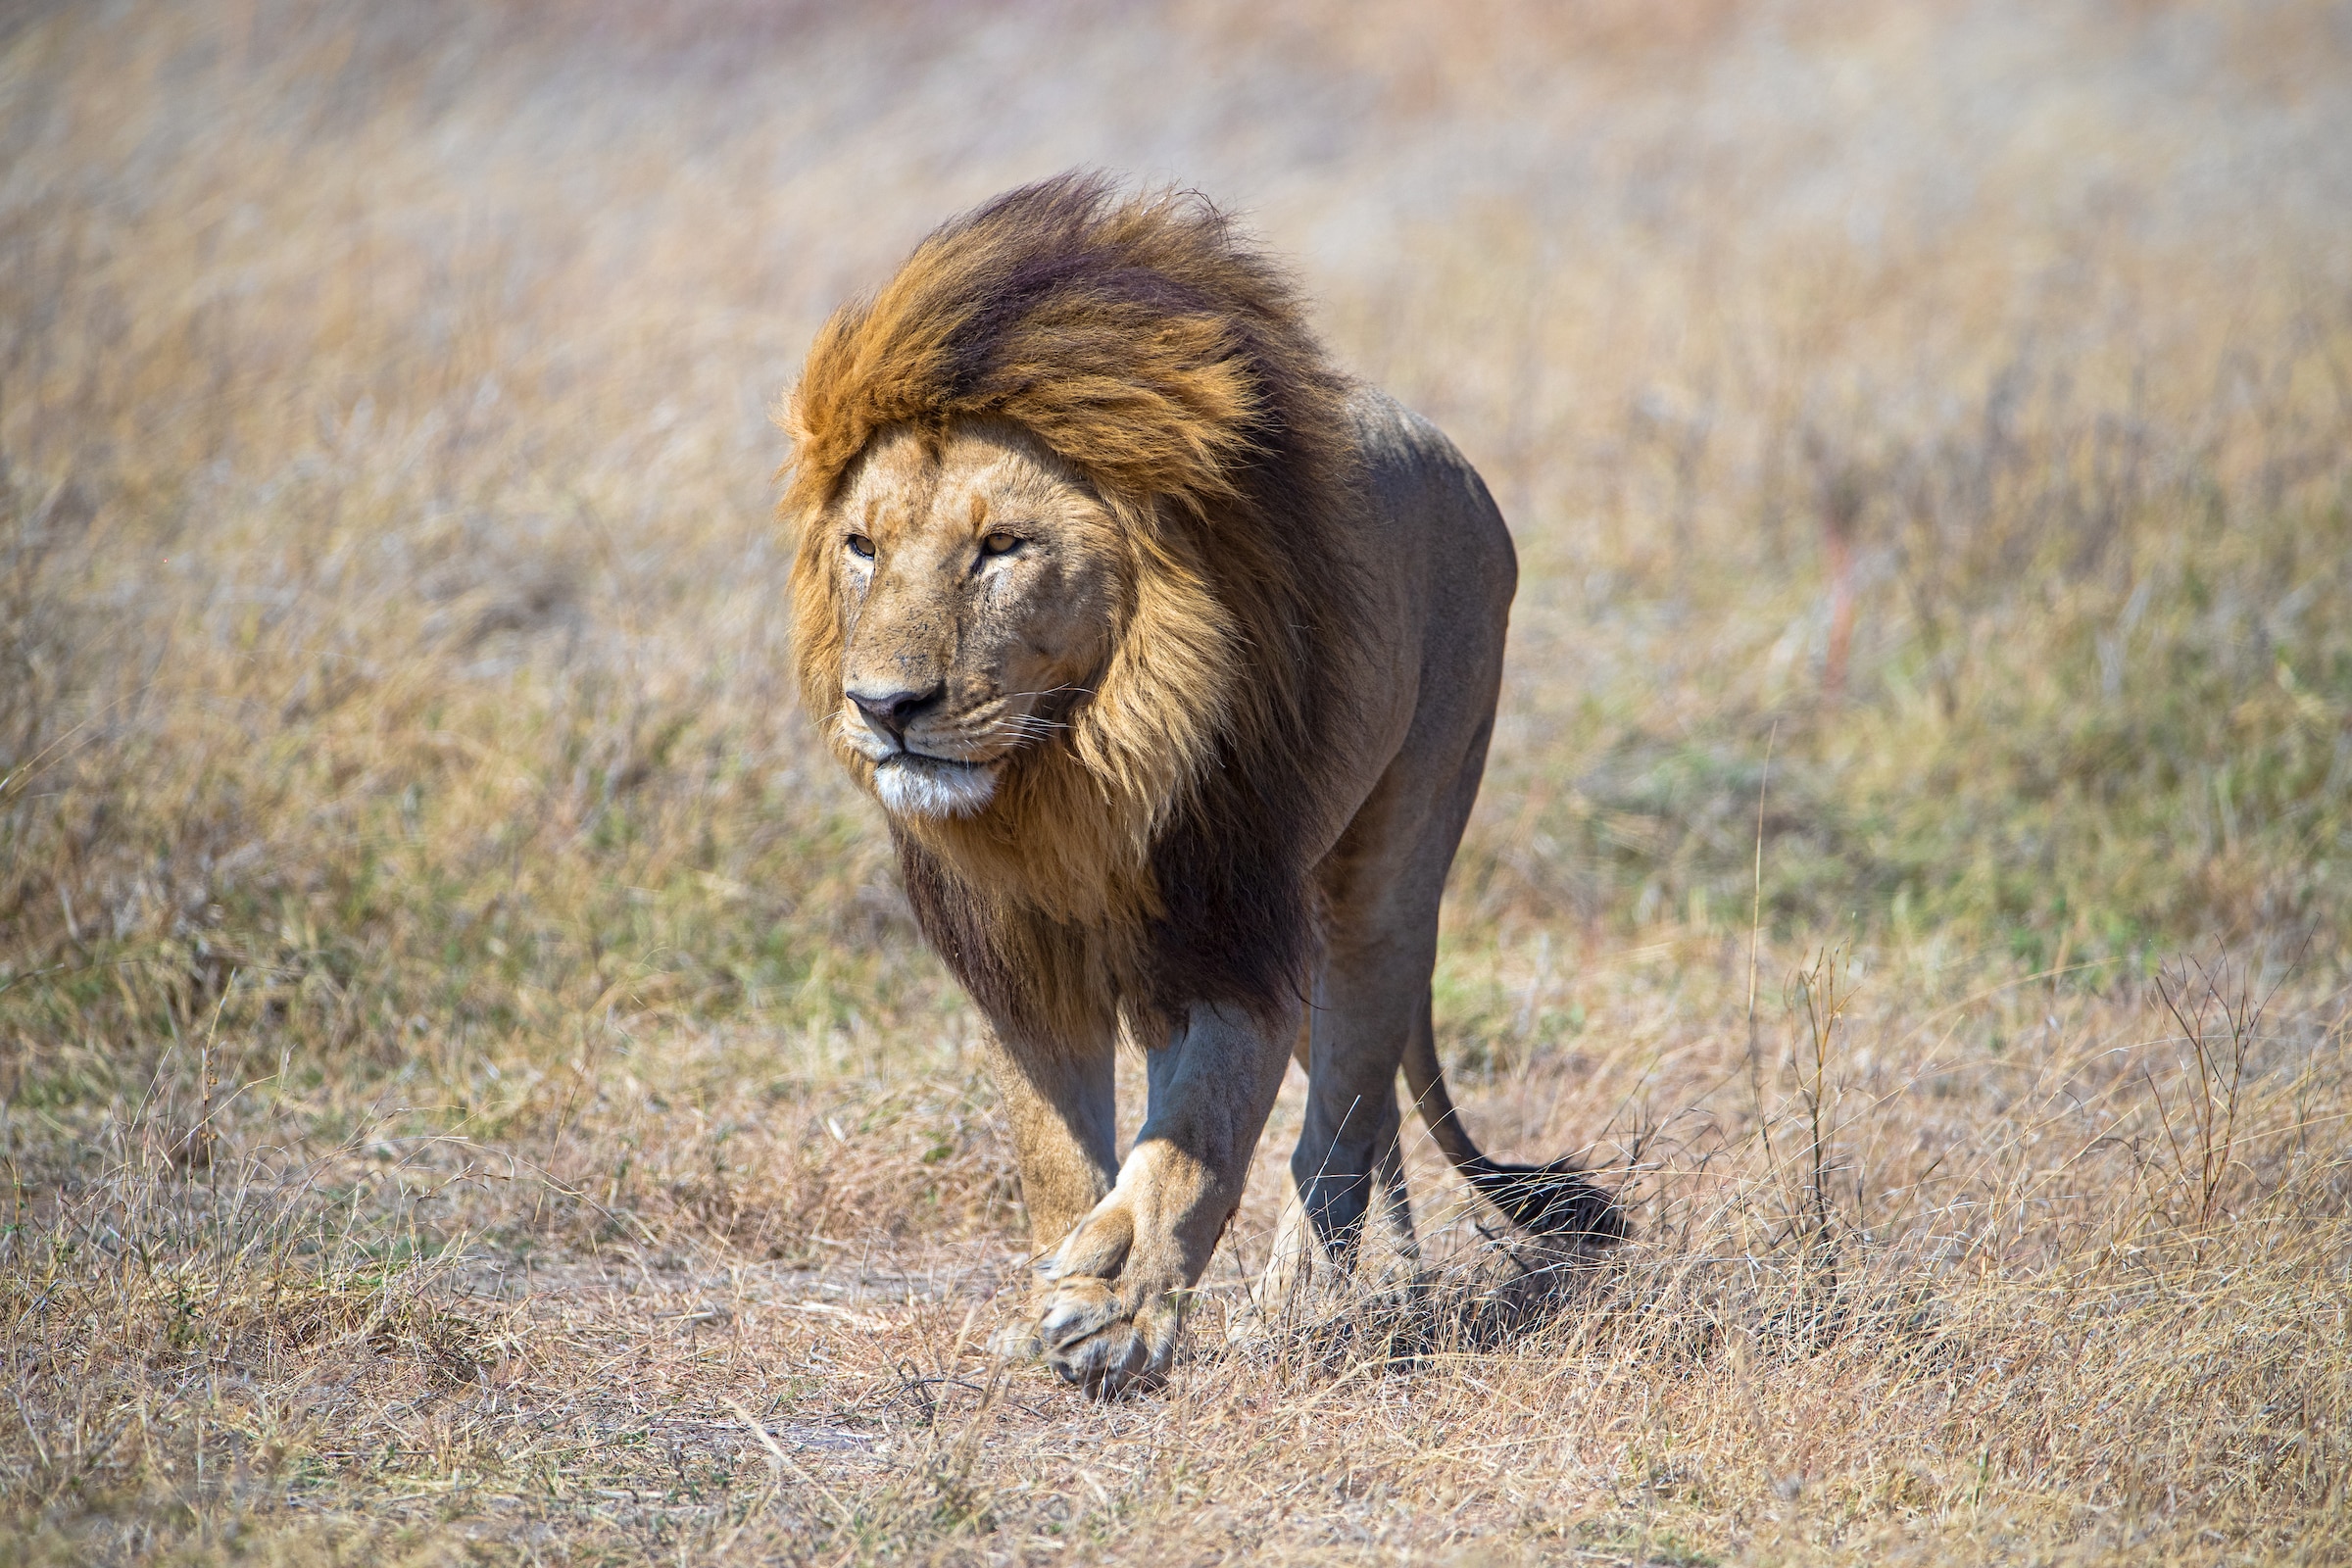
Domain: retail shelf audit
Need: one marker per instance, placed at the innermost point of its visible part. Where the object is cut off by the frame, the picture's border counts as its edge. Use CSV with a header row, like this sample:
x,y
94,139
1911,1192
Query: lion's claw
x,y
1095,1339
1118,1360
1079,1308
1086,1333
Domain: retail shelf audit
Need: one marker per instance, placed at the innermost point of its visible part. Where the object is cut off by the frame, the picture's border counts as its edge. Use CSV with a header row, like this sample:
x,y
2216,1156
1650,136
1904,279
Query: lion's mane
x,y
1157,851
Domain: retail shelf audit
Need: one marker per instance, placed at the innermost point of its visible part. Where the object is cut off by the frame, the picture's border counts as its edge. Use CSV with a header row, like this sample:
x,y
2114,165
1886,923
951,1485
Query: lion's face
x,y
977,583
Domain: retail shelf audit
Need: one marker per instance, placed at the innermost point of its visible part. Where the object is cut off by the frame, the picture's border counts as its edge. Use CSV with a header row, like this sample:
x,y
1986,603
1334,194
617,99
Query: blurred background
x,y
1959,392
1926,431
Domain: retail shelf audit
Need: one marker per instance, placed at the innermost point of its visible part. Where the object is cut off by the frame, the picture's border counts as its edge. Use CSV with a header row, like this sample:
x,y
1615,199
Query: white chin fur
x,y
912,787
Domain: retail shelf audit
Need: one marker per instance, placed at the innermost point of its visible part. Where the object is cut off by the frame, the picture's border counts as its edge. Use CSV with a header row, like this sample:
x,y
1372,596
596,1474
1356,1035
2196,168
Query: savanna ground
x,y
469,1087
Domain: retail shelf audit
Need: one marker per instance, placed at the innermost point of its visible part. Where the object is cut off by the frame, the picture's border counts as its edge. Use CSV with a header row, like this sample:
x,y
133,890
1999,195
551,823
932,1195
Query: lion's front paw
x,y
1110,1309
1086,1333
1095,1336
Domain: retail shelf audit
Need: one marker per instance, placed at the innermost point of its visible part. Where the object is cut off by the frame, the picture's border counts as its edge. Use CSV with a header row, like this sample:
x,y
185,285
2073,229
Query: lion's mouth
x,y
918,784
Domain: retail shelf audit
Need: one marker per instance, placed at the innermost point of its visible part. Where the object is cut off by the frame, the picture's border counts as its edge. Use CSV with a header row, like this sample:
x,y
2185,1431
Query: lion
x,y
1171,656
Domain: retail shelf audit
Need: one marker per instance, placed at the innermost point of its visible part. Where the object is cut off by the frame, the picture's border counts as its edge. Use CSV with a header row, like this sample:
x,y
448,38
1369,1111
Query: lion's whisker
x,y
1050,691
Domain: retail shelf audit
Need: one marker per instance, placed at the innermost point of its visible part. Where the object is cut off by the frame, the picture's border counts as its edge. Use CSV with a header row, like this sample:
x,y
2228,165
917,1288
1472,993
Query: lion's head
x,y
978,584
1064,490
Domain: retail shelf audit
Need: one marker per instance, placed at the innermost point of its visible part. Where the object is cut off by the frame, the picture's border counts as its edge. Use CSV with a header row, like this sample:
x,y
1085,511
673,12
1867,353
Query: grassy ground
x,y
469,1088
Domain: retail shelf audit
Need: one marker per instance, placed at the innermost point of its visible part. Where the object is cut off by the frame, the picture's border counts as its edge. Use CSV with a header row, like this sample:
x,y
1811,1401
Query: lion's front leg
x,y
1062,1104
1116,1287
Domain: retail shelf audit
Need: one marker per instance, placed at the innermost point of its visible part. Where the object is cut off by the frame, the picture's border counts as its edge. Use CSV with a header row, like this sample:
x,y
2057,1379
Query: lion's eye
x,y
1000,544
860,546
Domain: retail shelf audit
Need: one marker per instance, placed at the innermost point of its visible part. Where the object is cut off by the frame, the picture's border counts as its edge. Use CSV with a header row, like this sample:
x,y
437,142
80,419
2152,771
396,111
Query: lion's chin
x,y
933,786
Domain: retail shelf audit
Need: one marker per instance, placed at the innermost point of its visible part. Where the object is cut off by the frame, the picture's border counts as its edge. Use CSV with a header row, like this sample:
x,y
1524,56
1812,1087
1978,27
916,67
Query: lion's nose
x,y
892,710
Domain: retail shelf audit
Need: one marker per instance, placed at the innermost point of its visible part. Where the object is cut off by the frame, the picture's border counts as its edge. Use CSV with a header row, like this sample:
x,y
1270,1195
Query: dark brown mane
x,y
1150,347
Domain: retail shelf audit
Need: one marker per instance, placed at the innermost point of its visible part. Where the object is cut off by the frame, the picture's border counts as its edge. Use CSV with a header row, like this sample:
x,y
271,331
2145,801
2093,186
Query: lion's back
x,y
1436,550
1426,506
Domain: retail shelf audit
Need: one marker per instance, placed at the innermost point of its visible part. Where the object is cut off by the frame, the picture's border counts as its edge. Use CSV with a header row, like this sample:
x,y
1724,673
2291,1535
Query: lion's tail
x,y
1555,1200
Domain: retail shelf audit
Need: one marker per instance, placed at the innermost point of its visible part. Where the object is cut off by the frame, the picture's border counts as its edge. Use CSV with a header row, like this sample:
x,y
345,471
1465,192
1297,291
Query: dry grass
x,y
469,1087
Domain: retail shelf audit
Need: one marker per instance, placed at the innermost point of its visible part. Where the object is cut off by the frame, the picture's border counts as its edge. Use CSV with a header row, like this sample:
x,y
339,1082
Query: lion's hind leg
x,y
1338,1228
1347,1216
1382,887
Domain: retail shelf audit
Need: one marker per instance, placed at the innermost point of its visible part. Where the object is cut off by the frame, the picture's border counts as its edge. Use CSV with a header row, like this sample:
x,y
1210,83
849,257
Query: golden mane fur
x,y
1156,853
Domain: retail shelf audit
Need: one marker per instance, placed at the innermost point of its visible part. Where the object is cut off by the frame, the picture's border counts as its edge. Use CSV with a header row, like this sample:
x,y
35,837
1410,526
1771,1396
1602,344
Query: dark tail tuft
x,y
1555,1200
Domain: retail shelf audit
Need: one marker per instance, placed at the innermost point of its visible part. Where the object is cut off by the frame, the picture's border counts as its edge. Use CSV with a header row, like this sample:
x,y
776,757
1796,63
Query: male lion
x,y
1171,657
